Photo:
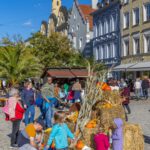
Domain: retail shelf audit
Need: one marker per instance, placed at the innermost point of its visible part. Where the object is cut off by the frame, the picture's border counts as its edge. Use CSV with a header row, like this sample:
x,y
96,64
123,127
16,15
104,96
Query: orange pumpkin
x,y
80,144
108,88
91,124
53,145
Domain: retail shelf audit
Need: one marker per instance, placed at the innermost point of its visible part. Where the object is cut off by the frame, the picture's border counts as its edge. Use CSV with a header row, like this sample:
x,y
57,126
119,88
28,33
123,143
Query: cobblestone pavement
x,y
140,114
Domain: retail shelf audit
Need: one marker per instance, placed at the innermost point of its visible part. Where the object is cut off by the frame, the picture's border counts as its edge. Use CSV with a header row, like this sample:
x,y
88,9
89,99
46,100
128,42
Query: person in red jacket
x,y
101,140
15,114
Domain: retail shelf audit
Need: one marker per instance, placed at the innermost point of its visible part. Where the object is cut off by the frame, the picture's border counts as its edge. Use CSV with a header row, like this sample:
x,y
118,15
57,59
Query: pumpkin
x,y
108,88
80,144
107,105
53,145
91,124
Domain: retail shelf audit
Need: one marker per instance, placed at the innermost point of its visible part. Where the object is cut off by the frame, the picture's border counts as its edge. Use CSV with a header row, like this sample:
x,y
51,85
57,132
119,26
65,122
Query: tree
x,y
55,50
17,62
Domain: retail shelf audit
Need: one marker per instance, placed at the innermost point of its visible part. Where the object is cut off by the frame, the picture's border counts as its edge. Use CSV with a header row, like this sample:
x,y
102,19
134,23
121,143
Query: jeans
x,y
126,106
29,114
138,93
15,131
49,116
145,93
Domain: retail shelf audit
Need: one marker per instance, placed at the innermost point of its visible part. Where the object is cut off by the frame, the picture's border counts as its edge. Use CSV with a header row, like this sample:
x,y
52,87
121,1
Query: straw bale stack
x,y
88,136
106,116
133,137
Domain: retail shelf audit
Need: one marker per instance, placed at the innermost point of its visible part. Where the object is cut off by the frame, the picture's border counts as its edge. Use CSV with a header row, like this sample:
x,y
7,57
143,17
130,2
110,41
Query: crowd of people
x,y
52,99
48,98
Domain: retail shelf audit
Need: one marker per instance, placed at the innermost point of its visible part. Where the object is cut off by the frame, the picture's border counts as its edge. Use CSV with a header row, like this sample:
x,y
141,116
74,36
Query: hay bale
x,y
133,137
88,136
107,116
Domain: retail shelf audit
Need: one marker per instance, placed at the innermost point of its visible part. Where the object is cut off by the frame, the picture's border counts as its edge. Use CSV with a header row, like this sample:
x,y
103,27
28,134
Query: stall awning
x,y
68,73
63,73
123,67
142,66
80,73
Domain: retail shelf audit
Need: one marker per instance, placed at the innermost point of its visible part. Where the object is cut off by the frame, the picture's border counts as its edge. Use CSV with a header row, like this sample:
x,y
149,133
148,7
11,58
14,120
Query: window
x,y
136,16
126,48
147,43
80,43
136,45
114,50
57,3
146,12
101,52
97,53
106,25
126,20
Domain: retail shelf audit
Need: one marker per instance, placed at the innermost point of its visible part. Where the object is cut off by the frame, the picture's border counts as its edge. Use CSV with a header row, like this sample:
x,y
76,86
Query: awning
x,y
68,73
123,67
80,73
63,73
142,66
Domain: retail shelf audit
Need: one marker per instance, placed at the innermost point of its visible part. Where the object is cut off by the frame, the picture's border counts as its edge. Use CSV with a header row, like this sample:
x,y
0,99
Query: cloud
x,y
27,23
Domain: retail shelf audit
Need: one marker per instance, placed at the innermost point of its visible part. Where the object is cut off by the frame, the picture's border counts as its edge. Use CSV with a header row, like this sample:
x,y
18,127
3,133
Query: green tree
x,y
55,50
17,62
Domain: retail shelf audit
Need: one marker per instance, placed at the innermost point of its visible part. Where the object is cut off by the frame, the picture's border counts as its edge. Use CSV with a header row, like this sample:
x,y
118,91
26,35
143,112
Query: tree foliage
x,y
17,62
56,50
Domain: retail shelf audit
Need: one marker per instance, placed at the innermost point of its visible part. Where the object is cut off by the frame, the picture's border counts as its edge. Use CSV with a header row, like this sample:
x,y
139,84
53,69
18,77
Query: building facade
x,y
107,36
135,30
58,20
80,30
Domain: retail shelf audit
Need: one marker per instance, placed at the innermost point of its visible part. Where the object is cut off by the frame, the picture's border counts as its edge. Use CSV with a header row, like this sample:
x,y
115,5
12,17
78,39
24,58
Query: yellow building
x,y
57,21
135,32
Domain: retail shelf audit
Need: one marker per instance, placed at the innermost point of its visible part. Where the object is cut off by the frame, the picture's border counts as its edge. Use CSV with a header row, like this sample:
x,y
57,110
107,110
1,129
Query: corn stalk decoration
x,y
92,96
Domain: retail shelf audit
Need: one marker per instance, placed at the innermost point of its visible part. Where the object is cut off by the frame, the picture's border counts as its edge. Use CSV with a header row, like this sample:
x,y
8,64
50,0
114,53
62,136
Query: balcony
x,y
105,38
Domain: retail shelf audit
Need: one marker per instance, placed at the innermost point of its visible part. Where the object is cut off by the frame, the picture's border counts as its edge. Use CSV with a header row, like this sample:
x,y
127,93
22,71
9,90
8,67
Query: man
x,y
137,86
28,98
145,87
77,91
27,138
48,95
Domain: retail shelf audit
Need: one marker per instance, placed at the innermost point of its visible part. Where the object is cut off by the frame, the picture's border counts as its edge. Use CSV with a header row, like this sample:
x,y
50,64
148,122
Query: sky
x,y
25,16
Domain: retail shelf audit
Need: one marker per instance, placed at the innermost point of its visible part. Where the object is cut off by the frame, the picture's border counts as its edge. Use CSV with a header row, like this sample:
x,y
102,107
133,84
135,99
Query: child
x,y
101,140
60,132
117,136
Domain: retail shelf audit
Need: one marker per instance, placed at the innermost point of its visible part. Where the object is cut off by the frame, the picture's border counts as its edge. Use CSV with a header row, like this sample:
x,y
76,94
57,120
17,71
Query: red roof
x,y
67,73
58,73
80,73
86,10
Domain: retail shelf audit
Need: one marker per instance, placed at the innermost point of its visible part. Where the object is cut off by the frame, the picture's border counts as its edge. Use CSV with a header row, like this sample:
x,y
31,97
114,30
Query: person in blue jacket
x,y
60,133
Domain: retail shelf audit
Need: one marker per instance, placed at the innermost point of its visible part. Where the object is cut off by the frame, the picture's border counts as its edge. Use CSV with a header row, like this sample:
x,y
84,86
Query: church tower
x,y
56,4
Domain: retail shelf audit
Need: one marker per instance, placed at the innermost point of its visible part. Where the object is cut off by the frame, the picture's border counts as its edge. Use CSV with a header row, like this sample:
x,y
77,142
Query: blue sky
x,y
25,16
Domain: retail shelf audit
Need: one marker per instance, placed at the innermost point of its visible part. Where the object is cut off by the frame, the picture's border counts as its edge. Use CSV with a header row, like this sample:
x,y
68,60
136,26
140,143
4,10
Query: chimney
x,y
94,4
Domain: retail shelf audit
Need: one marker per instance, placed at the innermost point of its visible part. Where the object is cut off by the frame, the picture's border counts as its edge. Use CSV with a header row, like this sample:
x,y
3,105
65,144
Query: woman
x,y
28,97
126,100
14,112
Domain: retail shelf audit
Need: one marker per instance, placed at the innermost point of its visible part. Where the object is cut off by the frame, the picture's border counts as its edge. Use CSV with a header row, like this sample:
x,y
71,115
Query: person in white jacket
x,y
137,86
